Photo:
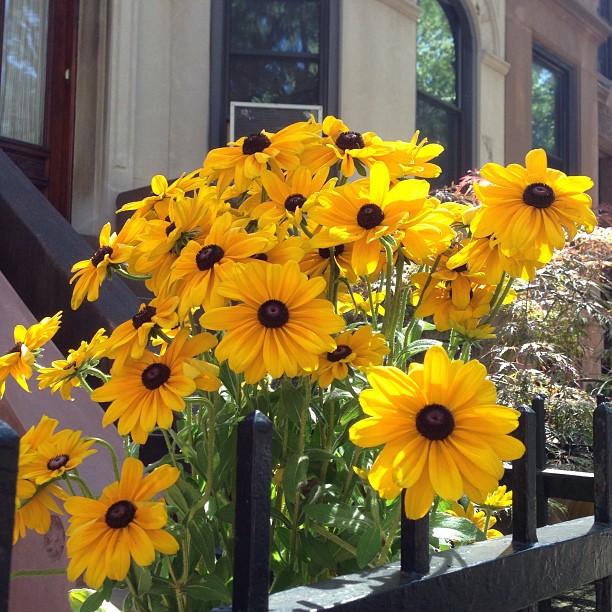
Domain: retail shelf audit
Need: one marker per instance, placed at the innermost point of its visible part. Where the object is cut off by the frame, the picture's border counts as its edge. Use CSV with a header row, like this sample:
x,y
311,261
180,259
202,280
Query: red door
x,y
37,92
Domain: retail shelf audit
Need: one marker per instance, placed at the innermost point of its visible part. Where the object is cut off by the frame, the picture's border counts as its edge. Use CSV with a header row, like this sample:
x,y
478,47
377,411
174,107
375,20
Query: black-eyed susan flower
x,y
289,196
145,393
442,430
244,160
363,212
130,339
530,211
63,374
279,324
477,517
18,360
89,274
162,194
203,263
346,147
360,349
125,523
62,452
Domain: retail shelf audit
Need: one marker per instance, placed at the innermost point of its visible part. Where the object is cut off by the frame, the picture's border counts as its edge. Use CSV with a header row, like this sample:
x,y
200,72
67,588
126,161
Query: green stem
x,y
169,445
125,274
500,301
81,482
384,553
371,300
466,351
47,572
111,450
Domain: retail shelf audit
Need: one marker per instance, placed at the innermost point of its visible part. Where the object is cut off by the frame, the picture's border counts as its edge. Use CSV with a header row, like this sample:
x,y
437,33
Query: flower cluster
x,y
280,281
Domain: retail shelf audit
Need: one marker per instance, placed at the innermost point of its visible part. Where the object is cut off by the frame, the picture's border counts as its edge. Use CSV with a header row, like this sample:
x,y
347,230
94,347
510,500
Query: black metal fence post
x,y
252,524
414,544
9,459
538,406
602,477
524,507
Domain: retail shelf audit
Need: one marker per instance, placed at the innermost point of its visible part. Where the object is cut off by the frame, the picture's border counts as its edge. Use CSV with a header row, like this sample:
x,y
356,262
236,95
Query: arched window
x,y
272,52
445,84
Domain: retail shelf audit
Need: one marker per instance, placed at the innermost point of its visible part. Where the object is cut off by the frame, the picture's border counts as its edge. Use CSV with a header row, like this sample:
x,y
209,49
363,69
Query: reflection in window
x,y
444,84
23,70
274,51
550,100
604,56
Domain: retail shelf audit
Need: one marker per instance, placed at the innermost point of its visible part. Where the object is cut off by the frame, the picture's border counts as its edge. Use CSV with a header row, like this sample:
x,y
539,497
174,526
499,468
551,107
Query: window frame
x,y
219,66
565,108
465,74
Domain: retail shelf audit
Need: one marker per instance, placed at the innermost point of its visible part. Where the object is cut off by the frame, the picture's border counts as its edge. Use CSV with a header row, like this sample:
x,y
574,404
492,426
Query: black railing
x,y
513,572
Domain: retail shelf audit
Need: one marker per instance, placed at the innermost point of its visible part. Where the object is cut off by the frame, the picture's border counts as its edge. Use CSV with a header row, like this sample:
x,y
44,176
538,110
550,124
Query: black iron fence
x,y
513,572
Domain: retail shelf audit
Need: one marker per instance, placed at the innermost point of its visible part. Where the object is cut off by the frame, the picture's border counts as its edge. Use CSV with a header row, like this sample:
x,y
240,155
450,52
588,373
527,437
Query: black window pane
x,y
436,61
440,125
257,79
275,25
544,95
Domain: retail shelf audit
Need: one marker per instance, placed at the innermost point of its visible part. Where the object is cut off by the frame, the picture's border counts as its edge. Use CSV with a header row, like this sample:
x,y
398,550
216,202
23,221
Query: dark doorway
x,y
37,92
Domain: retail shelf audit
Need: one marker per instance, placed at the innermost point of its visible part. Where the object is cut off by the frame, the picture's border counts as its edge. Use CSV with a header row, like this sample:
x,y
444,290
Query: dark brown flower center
x,y
58,462
538,195
209,256
341,352
255,143
273,314
155,375
326,253
120,514
350,140
295,201
15,349
98,257
370,215
144,315
435,422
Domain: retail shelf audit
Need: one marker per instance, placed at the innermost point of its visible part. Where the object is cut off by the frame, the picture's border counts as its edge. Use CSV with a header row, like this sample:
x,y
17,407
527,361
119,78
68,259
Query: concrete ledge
x,y
21,410
37,249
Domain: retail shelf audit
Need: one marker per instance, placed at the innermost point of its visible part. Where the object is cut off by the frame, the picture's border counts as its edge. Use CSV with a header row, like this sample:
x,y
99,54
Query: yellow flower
x,y
89,274
500,498
164,194
204,263
360,349
18,361
244,160
442,431
364,211
280,325
130,339
63,375
61,452
484,256
345,146
478,517
105,534
530,211
290,198
356,302
144,393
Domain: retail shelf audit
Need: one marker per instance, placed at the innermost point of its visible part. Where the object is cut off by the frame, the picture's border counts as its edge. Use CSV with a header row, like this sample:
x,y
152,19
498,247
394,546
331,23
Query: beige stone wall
x,y
570,30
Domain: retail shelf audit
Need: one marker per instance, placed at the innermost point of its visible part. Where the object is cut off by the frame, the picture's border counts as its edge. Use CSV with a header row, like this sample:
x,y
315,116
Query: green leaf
x,y
143,578
291,401
206,588
176,498
204,541
318,550
295,474
455,528
339,516
96,602
226,513
369,545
